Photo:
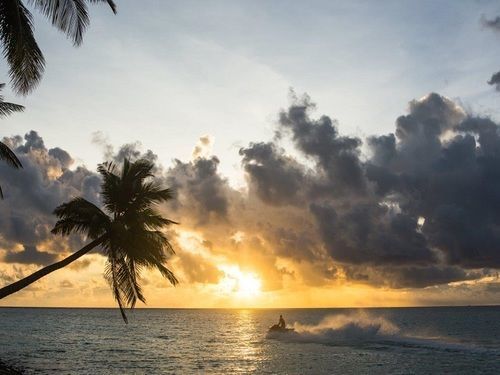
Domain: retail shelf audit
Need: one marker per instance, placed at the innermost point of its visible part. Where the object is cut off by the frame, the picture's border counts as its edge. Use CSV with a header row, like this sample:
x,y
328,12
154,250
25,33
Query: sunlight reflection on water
x,y
95,341
247,348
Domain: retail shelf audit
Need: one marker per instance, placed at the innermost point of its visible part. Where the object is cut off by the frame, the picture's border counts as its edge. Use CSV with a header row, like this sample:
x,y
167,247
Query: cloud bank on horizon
x,y
414,208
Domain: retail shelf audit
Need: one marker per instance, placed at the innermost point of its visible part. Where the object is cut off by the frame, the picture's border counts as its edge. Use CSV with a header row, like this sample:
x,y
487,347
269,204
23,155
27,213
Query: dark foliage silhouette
x,y
127,230
20,49
6,153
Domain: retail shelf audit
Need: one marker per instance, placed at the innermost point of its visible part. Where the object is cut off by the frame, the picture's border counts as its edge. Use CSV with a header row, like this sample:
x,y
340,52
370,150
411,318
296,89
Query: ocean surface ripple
x,y
458,340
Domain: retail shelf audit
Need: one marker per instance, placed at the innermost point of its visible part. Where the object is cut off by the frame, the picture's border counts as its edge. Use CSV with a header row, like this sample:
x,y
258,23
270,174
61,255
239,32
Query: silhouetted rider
x,y
282,323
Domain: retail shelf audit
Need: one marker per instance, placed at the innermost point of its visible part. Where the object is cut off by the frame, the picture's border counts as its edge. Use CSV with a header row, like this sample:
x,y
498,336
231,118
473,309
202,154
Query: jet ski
x,y
277,328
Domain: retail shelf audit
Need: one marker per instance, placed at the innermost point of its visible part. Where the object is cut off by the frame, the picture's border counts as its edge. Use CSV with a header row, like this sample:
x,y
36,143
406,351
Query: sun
x,y
248,285
240,284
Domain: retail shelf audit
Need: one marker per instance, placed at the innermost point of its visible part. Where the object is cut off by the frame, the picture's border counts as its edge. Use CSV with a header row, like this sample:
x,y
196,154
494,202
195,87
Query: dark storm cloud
x,y
132,151
276,178
421,209
372,234
421,277
493,23
409,276
336,156
32,141
32,193
383,148
296,244
30,255
61,155
419,133
452,184
199,185
495,81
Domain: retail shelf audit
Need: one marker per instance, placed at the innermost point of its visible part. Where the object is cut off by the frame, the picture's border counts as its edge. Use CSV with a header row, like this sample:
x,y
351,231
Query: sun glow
x,y
240,284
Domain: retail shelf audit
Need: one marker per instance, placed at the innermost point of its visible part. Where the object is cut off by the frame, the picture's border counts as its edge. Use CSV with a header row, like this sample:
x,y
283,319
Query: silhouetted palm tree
x,y
6,153
23,55
128,231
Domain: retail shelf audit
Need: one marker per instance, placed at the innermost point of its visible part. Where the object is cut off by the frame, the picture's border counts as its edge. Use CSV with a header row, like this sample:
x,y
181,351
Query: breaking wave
x,y
338,329
362,328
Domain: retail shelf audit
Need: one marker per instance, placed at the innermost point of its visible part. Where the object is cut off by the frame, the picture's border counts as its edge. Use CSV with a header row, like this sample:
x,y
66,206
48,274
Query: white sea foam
x,y
363,328
339,329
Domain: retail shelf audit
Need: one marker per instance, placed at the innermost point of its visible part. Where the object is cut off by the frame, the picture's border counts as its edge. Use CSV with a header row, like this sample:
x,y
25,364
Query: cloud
x,y
418,207
203,147
493,23
339,169
66,284
30,255
80,264
438,168
32,193
131,151
61,155
275,178
196,268
495,81
200,187
449,183
372,234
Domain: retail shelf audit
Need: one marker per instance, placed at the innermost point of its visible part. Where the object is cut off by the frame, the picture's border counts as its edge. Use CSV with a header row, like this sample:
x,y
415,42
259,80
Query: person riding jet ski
x,y
280,327
281,323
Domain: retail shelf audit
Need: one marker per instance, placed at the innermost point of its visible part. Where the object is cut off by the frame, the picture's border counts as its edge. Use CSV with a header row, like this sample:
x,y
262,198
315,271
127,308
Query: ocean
x,y
433,340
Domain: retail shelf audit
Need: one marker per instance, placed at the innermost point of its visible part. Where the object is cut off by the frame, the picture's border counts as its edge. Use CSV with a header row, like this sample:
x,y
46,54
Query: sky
x,y
325,153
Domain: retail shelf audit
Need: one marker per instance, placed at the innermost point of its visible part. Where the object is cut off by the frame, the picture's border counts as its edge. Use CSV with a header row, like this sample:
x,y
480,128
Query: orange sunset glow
x,y
293,207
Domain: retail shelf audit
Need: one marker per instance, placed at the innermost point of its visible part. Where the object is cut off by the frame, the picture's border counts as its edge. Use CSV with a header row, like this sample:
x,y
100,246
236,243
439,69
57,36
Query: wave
x,y
361,328
335,329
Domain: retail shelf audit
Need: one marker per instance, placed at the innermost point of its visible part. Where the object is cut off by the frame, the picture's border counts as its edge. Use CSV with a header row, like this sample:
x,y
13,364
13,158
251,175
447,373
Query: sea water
x,y
453,340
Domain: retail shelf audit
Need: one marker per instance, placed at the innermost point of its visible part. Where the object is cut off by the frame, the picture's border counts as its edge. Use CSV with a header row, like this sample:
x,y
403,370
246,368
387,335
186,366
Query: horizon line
x,y
247,308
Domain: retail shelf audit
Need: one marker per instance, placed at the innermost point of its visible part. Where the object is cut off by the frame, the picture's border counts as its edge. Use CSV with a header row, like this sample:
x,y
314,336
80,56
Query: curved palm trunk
x,y
23,283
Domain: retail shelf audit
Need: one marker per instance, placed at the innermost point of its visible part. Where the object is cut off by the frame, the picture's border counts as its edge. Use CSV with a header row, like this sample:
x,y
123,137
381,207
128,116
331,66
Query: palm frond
x,y
111,191
127,275
137,171
110,274
151,249
8,156
149,193
166,273
80,215
23,55
129,190
146,248
69,16
7,108
122,275
111,4
147,218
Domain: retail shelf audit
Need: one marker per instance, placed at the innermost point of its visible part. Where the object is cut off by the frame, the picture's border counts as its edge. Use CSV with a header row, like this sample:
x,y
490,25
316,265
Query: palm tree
x,y
6,153
20,48
127,229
